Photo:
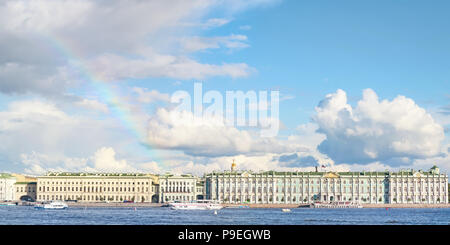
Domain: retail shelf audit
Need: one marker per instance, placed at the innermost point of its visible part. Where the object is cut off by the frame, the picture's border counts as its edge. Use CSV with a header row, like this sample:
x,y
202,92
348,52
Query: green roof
x,y
95,174
24,183
5,175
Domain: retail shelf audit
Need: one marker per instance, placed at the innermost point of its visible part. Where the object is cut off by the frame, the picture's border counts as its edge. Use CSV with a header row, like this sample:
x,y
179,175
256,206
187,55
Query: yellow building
x,y
24,188
101,187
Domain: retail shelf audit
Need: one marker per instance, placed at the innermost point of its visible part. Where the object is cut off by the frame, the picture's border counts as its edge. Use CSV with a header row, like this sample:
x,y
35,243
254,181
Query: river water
x,y
25,215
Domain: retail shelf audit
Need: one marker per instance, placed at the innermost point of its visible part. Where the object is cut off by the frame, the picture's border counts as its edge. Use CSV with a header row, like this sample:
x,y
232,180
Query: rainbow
x,y
107,95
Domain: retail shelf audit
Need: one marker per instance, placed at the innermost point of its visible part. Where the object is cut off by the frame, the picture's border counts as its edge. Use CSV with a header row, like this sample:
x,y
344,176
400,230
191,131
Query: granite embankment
x,y
121,205
112,204
411,205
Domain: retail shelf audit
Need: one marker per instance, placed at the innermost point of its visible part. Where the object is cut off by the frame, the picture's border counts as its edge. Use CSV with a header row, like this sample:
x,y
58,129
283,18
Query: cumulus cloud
x,y
105,161
152,167
263,162
207,136
39,163
41,126
376,130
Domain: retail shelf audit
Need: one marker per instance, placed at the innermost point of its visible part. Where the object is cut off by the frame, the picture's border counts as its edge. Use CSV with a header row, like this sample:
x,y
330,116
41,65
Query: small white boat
x,y
52,205
196,205
8,204
335,205
285,210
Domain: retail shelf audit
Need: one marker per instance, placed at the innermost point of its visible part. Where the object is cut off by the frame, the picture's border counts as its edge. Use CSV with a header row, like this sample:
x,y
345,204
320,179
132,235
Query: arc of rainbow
x,y
108,97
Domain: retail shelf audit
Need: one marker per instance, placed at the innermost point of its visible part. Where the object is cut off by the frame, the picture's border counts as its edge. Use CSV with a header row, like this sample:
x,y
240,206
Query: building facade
x,y
7,191
25,191
418,187
24,188
180,188
306,187
85,187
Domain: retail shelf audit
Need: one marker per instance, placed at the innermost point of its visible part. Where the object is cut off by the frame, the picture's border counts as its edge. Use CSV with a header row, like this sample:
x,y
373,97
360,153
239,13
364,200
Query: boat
x,y
52,205
239,206
8,204
196,205
285,210
335,205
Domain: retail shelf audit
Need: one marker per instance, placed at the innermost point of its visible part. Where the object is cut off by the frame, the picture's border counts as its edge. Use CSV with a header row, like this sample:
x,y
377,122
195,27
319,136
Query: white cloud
x,y
92,104
215,22
146,96
39,163
207,136
152,167
442,161
105,161
38,126
193,44
39,38
376,130
23,78
110,67
307,134
41,15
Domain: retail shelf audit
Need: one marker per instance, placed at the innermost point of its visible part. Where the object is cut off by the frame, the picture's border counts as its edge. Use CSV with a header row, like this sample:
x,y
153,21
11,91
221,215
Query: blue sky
x,y
308,50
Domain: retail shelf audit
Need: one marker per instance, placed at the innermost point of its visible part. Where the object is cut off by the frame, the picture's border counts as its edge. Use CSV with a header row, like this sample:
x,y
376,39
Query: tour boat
x,y
196,205
52,205
8,204
335,205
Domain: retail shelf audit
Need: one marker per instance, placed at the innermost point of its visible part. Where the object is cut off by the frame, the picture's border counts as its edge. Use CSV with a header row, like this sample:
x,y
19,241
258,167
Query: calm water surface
x,y
21,215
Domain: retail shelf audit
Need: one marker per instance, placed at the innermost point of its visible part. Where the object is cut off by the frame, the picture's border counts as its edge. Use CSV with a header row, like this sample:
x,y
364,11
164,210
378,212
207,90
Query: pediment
x,y
331,175
418,174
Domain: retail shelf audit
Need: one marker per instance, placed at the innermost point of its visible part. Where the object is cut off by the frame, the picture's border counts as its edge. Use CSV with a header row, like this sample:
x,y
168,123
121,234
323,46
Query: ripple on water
x,y
148,216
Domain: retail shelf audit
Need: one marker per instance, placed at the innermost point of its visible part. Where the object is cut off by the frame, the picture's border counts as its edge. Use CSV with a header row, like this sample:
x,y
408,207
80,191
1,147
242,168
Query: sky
x,y
87,85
